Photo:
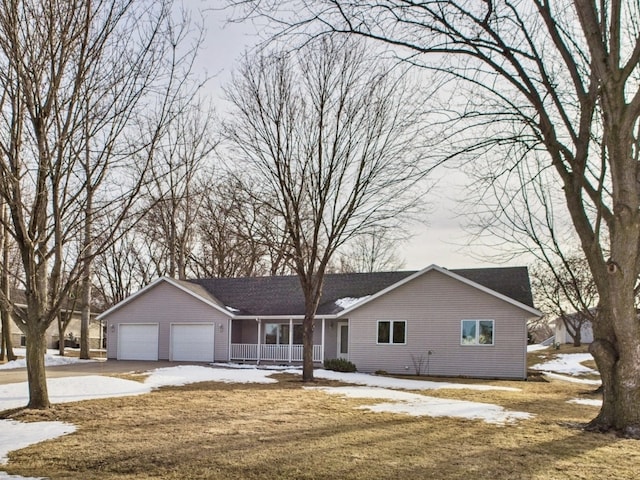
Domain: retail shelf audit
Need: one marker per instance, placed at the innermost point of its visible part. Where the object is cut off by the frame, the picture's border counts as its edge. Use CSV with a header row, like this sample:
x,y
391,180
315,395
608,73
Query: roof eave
x,y
533,311
331,316
170,281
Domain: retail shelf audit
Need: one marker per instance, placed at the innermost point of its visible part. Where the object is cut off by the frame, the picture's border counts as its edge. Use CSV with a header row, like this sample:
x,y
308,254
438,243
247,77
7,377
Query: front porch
x,y
277,340
273,353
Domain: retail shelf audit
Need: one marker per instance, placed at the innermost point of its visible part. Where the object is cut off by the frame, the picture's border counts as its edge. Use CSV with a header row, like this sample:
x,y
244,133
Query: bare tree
x,y
329,137
236,237
75,77
374,251
554,85
124,267
176,194
567,291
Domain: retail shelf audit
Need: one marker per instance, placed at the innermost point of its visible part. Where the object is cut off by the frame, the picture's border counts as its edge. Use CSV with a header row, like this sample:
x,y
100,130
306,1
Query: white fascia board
x,y
372,297
170,281
533,311
536,313
277,317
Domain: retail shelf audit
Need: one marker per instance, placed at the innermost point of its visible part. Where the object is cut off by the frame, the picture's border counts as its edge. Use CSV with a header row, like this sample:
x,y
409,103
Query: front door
x,y
343,340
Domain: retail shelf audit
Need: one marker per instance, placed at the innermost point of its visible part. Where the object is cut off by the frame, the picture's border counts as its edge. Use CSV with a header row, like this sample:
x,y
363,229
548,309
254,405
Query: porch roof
x,y
282,295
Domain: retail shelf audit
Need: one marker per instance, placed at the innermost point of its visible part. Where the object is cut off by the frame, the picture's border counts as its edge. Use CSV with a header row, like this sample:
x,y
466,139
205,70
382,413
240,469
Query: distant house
x,y
450,322
97,338
562,335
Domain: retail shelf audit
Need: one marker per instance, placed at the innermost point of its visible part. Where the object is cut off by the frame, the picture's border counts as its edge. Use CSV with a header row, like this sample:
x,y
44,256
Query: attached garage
x,y
192,342
171,320
138,341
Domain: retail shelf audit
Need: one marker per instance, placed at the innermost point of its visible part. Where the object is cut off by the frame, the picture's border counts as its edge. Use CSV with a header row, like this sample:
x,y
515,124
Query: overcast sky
x,y
442,241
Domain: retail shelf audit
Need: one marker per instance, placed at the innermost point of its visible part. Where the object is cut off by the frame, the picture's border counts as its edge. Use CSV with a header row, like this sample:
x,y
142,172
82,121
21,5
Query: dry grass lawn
x,y
282,431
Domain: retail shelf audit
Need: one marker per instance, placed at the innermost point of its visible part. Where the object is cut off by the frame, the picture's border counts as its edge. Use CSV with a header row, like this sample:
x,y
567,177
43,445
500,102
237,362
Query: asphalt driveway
x,y
99,367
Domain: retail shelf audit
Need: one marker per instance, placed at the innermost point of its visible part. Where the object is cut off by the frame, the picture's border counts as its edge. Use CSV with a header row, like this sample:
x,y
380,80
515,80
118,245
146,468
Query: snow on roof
x,y
346,302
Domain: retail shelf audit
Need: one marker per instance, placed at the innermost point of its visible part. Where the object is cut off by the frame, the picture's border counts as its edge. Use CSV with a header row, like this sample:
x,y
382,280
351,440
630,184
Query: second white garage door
x,y
192,342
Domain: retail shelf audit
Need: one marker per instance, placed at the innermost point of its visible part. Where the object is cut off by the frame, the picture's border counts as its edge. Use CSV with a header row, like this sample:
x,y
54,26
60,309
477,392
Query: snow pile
x,y
566,378
347,302
421,405
399,383
16,435
185,374
537,347
594,402
567,363
6,476
72,389
51,359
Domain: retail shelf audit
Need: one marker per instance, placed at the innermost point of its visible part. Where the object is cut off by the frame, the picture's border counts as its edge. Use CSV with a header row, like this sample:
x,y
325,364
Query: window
x,y
278,334
477,332
392,331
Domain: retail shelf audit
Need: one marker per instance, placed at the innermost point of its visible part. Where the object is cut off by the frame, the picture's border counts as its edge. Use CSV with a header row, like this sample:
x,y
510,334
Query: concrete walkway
x,y
99,367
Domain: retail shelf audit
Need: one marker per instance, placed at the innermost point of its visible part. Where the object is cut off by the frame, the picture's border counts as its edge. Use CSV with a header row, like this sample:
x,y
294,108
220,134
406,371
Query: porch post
x,y
229,343
290,338
259,346
322,341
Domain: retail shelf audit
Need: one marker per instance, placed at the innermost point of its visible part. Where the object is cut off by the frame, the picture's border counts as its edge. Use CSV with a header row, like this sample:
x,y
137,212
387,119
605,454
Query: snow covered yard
x,y
51,359
378,426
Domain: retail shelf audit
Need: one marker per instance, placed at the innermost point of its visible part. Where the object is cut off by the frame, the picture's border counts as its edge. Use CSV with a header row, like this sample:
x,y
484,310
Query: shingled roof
x,y
282,295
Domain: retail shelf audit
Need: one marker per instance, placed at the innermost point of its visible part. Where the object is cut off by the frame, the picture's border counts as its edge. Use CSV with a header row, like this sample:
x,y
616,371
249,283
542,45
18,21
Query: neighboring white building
x,y
563,336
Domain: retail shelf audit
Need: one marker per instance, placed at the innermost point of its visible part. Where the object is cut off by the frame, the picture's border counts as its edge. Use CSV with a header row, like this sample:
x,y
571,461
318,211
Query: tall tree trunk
x,y
36,372
86,313
307,346
577,336
5,314
86,276
312,290
62,327
620,376
616,346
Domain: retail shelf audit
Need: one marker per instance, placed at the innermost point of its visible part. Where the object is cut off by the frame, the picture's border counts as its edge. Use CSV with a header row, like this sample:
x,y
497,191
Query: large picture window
x,y
477,332
392,331
278,334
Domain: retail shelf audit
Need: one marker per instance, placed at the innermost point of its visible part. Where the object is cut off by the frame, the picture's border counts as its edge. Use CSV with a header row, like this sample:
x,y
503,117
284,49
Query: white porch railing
x,y
279,353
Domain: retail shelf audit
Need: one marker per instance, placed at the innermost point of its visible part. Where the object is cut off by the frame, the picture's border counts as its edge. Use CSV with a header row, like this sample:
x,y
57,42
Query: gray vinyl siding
x,y
433,306
166,304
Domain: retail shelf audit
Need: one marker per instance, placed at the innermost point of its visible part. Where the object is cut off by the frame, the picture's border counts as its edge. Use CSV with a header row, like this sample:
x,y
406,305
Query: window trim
x,y
476,343
391,342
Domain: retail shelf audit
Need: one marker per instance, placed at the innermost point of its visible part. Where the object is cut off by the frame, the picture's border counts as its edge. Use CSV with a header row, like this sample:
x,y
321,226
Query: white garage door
x,y
192,342
138,341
